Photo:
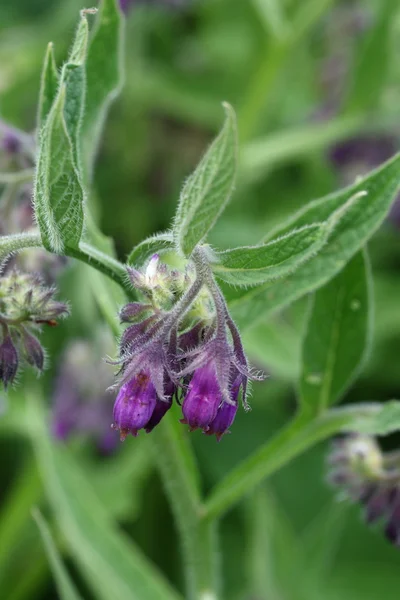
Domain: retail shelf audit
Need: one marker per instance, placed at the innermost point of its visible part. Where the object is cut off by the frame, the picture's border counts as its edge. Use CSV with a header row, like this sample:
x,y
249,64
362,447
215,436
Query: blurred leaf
x,y
113,566
65,586
272,15
48,86
383,421
337,335
275,346
353,230
251,265
159,243
369,75
104,76
59,195
260,155
272,551
207,191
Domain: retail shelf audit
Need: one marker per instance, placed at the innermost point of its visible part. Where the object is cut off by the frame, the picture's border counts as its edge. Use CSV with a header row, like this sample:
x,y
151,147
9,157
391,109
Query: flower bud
x,y
134,405
33,350
8,361
135,312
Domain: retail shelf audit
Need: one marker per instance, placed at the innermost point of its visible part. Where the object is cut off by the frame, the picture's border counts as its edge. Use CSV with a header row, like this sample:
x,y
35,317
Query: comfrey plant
x,y
178,344
184,303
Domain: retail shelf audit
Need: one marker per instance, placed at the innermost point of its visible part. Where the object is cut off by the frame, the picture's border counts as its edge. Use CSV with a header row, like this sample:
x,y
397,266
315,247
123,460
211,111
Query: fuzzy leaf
x,y
73,76
252,265
59,194
337,335
353,230
48,86
65,587
104,70
159,243
207,191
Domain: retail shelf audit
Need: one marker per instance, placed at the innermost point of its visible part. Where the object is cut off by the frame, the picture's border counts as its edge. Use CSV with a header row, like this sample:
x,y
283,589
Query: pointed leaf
x,y
48,86
252,265
353,230
207,191
337,335
59,195
104,68
65,587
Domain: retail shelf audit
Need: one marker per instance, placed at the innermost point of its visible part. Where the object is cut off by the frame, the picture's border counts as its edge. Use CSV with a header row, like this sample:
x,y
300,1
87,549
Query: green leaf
x,y
58,195
207,191
356,225
104,72
65,587
383,421
112,565
251,265
73,76
337,335
370,72
159,243
48,86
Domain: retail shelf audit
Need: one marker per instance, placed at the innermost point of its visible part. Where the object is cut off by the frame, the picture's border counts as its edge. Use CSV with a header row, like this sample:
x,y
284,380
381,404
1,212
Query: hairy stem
x,y
179,473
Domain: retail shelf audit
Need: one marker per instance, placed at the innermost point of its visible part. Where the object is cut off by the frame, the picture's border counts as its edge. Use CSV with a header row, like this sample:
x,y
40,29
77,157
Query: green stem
x,y
85,253
300,435
179,473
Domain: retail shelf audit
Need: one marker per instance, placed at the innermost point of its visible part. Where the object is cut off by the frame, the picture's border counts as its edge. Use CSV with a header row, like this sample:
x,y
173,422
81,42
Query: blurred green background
x,y
316,86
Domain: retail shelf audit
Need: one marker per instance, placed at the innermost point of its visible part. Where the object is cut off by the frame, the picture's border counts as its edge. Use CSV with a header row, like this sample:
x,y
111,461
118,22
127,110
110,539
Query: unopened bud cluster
x,y
363,473
182,344
25,305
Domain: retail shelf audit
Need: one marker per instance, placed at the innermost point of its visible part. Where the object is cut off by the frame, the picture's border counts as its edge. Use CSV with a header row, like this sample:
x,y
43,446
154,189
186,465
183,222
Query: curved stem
x,y
85,253
290,442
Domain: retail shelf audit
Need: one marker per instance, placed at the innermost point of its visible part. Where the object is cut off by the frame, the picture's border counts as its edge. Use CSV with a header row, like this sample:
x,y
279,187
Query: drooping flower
x,y
189,350
363,473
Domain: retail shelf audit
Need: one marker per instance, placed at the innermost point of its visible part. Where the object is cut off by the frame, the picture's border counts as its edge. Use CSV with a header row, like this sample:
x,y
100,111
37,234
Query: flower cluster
x,y
180,343
81,404
365,474
25,305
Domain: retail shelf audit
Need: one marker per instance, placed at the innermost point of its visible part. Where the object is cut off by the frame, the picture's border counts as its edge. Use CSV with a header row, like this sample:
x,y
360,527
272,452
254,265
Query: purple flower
x,y
135,404
202,399
226,413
